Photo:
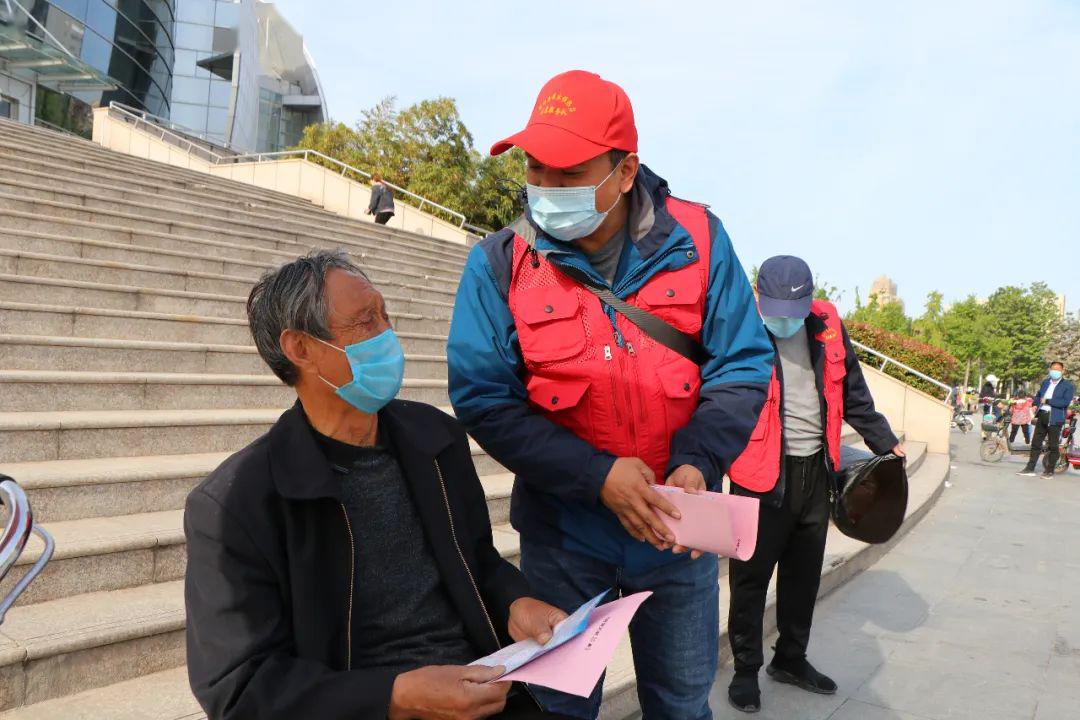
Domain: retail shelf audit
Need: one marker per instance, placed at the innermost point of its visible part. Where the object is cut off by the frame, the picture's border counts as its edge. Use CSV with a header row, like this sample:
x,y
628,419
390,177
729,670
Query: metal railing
x,y
886,361
38,122
20,523
346,168
171,133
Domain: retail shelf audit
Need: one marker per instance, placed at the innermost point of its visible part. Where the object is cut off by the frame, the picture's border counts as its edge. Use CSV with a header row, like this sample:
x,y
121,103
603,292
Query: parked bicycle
x,y
995,444
18,525
961,421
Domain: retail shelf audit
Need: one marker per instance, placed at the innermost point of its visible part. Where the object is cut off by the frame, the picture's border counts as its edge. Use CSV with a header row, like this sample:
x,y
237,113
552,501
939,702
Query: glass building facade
x,y
231,71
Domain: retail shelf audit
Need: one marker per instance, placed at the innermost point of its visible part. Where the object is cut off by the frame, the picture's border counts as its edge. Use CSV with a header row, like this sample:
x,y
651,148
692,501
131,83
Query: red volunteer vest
x,y
758,467
628,400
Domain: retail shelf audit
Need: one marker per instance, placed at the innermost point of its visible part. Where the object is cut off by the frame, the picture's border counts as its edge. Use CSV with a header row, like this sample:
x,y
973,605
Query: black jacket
x,y
859,410
382,199
269,574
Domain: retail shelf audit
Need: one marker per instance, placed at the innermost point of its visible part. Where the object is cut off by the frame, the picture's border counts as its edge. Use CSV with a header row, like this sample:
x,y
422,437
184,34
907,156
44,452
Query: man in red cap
x,y
605,342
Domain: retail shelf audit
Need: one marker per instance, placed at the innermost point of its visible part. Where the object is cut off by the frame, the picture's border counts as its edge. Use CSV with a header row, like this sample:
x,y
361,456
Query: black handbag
x,y
869,495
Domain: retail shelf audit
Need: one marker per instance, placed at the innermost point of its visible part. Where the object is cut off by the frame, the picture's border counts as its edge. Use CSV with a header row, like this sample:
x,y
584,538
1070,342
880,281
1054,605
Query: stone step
x,y
66,646
60,184
20,318
105,272
169,179
31,352
68,390
164,695
72,435
58,219
105,553
125,551
200,258
62,490
95,159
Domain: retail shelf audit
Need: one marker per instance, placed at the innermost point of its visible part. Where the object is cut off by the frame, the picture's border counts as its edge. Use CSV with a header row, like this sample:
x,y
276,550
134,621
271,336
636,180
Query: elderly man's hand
x,y
626,493
532,619
448,692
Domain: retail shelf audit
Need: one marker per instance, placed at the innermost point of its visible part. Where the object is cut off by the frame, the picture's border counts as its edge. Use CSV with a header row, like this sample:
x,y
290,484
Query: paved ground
x,y
975,615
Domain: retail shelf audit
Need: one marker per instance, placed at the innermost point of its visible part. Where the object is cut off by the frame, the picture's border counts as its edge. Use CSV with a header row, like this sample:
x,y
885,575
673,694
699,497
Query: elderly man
x,y
341,566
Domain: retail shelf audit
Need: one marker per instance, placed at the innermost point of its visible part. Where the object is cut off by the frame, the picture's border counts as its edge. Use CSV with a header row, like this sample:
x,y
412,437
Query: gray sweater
x,y
382,199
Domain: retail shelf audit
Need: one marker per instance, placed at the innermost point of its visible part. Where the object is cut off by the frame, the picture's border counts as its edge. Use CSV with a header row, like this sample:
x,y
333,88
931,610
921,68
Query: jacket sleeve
x,y
490,399
1065,400
241,661
500,583
735,379
859,410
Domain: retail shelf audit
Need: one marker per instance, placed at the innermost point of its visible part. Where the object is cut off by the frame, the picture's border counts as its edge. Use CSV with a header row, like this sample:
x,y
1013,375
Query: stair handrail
x,y
20,524
146,121
886,361
345,168
172,130
178,128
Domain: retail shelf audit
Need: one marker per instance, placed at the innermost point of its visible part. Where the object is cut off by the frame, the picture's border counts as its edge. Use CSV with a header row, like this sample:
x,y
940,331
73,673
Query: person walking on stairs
x,y
589,409
817,385
1053,399
382,200
341,567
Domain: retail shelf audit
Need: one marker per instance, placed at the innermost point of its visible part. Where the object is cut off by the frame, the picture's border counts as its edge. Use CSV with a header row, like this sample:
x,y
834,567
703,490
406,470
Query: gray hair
x,y
293,297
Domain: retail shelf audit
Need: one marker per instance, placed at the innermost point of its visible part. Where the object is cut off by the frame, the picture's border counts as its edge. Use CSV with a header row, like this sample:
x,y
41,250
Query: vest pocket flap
x,y
545,304
556,395
680,383
658,293
835,352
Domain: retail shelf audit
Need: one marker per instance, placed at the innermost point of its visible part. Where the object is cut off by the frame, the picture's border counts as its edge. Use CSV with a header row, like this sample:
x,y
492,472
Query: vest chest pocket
x,y
675,297
549,325
835,367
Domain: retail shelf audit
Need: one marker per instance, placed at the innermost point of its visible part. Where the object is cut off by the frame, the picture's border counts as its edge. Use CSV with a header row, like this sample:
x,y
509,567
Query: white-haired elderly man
x,y
342,566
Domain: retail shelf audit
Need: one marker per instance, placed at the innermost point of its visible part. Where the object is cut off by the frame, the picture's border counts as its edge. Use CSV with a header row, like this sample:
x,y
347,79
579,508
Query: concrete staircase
x,y
127,373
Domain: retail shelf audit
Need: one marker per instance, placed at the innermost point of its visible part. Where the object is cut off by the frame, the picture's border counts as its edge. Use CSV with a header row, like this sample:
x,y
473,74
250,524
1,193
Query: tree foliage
x,y
931,361
1024,319
888,316
1064,346
426,149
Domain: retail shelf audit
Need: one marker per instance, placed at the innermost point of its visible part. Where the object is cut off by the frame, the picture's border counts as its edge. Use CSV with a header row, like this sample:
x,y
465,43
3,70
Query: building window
x,y
9,107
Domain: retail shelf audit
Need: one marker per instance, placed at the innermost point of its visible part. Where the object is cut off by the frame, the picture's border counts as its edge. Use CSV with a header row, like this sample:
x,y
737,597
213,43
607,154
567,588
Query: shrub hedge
x,y
927,359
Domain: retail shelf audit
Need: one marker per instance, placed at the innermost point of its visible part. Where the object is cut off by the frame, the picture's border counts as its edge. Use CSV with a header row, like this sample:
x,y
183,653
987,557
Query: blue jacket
x,y
1059,402
558,474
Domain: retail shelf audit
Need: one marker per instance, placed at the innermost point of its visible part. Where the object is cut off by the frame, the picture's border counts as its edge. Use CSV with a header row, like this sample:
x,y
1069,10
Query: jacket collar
x,y
301,471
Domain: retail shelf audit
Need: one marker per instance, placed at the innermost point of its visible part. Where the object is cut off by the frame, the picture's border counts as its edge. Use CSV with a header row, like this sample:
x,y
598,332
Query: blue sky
x,y
937,142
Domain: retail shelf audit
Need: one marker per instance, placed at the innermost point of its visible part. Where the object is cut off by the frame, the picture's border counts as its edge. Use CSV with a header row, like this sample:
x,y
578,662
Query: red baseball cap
x,y
578,115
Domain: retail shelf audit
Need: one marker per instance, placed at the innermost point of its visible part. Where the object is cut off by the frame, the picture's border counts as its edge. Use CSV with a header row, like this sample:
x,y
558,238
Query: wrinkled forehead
x,y
349,296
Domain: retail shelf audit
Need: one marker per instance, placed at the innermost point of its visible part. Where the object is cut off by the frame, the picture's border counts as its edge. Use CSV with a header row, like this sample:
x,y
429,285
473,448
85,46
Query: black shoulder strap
x,y
659,330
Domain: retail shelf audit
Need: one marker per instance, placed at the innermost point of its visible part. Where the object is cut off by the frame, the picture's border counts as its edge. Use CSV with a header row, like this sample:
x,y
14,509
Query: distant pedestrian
x,y
987,396
382,200
1021,418
1053,400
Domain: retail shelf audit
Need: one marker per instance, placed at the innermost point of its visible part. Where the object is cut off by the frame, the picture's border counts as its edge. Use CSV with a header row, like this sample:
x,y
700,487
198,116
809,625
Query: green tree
x,y
1064,346
968,334
1024,318
929,327
426,149
887,316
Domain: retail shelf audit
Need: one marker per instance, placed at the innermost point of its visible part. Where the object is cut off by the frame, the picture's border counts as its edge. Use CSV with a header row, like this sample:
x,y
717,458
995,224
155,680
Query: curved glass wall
x,y
129,40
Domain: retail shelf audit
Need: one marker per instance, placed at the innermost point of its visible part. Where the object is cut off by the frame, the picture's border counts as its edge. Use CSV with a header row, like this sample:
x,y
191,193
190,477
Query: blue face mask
x,y
1055,374
378,368
783,327
568,213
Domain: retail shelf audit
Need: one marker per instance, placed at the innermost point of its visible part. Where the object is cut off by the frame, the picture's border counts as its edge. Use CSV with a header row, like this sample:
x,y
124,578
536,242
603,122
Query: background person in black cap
x,y
816,386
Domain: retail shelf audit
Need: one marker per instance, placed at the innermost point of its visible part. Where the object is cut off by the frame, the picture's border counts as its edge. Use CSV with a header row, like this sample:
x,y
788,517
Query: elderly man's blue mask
x,y
378,368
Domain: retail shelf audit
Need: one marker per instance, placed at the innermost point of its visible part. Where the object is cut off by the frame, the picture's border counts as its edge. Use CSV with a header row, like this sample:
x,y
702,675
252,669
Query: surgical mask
x,y
1055,374
378,368
568,213
783,327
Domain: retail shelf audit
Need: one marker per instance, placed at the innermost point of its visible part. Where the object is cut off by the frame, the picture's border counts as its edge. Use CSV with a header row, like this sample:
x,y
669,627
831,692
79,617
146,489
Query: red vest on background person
x,y
758,467
627,400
